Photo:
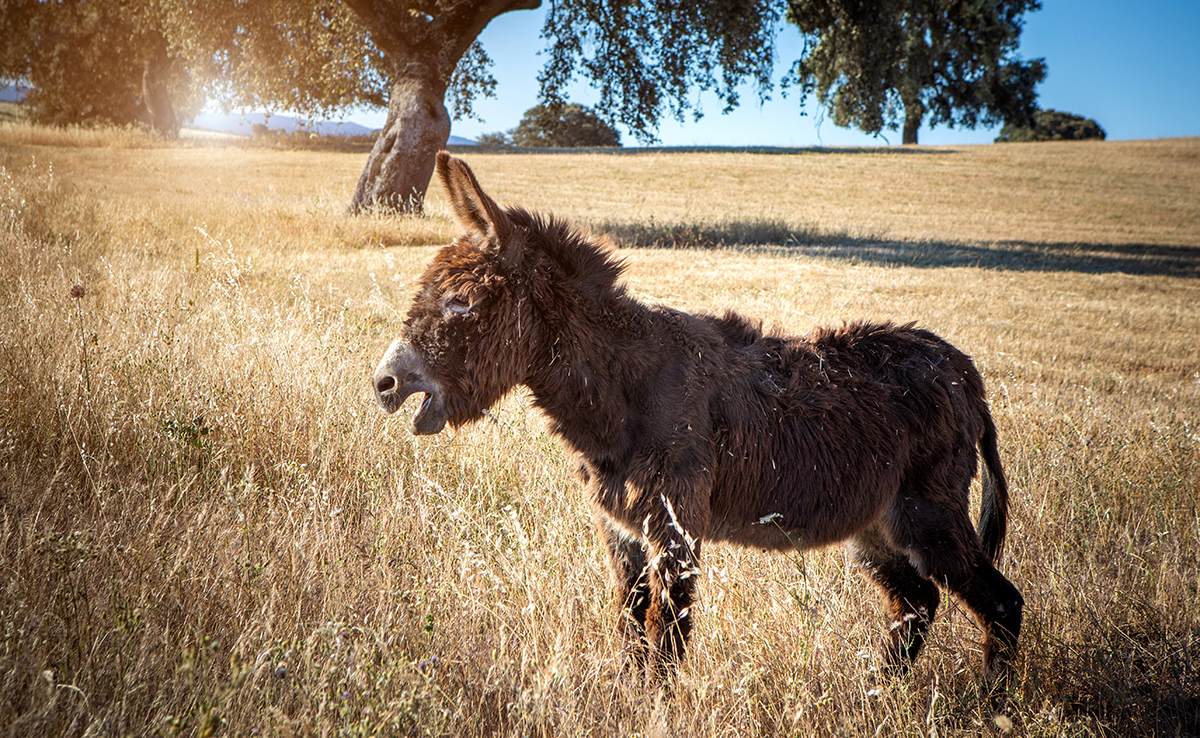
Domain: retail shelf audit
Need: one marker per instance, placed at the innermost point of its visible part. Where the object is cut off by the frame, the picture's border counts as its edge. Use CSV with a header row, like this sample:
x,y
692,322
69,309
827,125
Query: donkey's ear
x,y
472,207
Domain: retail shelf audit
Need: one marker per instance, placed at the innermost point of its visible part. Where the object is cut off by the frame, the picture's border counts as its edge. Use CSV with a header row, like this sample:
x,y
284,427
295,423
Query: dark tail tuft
x,y
993,509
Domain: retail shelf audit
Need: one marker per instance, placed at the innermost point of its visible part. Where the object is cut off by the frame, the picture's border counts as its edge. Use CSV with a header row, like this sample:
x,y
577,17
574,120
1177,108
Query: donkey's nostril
x,y
385,385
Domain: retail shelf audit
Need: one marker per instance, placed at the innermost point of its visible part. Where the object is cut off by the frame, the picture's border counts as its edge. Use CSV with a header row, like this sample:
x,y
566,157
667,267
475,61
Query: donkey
x,y
695,428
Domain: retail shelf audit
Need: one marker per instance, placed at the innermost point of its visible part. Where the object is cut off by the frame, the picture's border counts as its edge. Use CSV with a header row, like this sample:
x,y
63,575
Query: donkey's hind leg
x,y
942,544
911,599
997,606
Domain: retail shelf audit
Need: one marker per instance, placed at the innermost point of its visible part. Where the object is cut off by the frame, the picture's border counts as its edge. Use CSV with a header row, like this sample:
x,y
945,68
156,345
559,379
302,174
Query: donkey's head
x,y
465,341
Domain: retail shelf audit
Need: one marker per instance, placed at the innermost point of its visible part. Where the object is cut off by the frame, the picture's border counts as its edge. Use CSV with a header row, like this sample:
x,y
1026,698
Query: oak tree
x,y
563,127
1052,125
876,64
95,61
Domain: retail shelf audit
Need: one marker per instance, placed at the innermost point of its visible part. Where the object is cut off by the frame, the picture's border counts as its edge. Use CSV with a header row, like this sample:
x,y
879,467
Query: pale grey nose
x,y
399,375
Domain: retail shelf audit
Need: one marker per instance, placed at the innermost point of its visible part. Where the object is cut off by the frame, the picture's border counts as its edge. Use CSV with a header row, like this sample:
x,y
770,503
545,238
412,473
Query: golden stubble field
x,y
207,528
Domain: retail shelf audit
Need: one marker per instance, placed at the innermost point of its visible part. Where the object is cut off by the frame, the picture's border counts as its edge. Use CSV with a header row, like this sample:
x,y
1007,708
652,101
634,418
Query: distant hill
x,y
239,124
242,125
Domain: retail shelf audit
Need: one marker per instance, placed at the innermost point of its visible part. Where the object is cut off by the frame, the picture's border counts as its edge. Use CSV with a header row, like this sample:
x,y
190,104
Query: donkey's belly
x,y
798,518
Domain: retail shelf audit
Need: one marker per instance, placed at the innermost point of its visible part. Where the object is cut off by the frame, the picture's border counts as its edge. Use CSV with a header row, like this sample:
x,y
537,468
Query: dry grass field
x,y
206,527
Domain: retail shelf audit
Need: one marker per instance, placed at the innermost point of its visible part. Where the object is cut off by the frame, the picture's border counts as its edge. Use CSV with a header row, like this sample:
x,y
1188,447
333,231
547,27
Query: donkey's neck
x,y
589,370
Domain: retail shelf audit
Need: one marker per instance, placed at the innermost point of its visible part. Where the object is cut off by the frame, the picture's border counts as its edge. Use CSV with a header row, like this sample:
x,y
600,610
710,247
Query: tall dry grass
x,y
206,528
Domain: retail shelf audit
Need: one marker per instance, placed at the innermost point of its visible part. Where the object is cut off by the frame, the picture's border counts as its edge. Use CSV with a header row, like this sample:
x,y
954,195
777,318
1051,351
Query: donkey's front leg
x,y
629,580
672,533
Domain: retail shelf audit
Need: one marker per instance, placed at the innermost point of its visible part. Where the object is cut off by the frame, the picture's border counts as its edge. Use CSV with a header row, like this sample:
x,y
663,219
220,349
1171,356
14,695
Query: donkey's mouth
x,y
430,417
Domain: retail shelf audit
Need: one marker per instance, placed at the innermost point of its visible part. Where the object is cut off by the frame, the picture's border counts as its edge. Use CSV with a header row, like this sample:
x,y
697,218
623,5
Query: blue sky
x,y
1132,65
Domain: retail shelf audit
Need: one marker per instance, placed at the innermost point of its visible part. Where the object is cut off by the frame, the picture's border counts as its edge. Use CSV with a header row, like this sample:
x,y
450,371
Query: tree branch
x,y
428,39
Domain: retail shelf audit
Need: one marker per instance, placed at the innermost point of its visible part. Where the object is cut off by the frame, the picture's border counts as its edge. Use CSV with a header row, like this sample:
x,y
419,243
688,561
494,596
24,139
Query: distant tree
x,y
875,64
563,127
1052,125
494,140
95,60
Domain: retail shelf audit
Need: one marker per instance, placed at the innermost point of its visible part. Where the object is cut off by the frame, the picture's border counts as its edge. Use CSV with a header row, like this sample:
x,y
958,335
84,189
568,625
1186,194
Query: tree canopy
x,y
876,65
559,127
94,61
1052,125
648,58
86,59
313,58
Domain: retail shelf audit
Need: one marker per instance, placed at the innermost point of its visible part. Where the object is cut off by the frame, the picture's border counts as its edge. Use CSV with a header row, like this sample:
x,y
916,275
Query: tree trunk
x,y
155,96
914,112
423,51
401,163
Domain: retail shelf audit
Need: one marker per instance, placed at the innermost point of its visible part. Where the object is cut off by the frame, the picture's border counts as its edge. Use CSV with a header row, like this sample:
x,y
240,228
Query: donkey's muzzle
x,y
401,374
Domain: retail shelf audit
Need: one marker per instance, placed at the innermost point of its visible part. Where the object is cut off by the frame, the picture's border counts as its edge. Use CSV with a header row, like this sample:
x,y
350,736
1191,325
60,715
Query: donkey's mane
x,y
583,259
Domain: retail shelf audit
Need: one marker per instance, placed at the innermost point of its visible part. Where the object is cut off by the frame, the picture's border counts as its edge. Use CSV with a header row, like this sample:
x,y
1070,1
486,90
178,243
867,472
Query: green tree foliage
x,y
493,140
95,60
649,57
1052,125
313,58
566,127
875,64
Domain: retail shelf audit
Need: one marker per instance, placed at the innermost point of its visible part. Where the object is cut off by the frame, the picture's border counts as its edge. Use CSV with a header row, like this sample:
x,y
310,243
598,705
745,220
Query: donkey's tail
x,y
993,508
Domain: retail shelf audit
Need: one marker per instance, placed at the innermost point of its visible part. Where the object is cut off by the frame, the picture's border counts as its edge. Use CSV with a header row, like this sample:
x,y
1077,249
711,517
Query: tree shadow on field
x,y
776,236
642,150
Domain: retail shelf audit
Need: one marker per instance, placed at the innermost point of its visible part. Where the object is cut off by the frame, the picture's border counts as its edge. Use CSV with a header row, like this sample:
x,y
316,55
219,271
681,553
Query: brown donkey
x,y
692,428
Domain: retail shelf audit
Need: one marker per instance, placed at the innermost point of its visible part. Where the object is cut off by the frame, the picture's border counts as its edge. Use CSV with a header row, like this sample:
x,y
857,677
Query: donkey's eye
x,y
458,306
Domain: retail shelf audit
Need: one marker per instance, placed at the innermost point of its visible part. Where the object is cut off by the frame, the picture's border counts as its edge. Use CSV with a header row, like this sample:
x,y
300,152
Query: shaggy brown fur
x,y
694,428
